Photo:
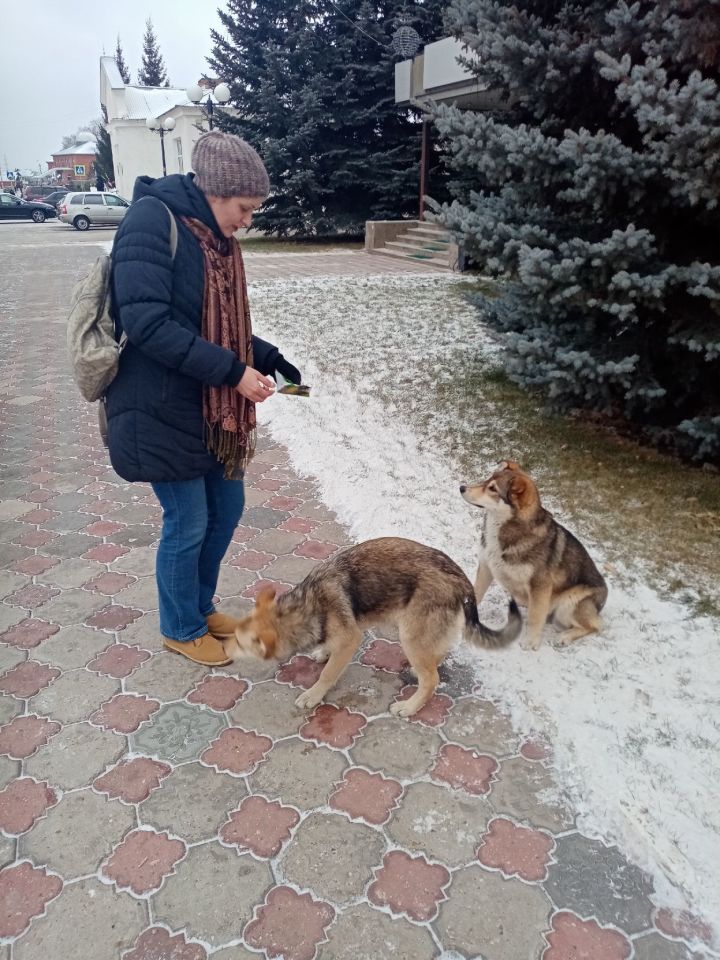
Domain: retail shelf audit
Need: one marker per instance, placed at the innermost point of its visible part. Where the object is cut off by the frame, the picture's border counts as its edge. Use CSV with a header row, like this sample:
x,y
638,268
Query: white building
x,y
136,149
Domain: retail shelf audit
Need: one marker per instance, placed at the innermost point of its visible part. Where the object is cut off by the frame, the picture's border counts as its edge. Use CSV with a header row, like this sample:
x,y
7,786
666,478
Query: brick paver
x,y
151,808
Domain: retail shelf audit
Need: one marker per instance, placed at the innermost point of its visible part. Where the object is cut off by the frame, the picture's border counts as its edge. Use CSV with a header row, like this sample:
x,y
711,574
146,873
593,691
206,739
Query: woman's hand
x,y
254,386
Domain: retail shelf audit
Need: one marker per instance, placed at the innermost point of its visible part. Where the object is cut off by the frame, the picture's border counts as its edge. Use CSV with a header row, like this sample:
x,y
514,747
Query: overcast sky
x,y
50,62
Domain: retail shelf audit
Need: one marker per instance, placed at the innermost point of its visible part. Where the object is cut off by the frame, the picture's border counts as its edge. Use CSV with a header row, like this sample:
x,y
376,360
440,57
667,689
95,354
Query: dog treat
x,y
289,388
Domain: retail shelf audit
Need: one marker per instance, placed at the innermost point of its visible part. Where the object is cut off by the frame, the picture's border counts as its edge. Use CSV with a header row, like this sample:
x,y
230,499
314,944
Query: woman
x,y
181,411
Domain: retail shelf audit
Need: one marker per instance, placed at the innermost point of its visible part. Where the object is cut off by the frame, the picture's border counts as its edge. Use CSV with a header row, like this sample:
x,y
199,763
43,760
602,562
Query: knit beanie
x,y
226,166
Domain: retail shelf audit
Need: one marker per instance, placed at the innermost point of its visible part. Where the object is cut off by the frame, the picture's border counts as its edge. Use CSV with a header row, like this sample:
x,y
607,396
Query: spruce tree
x,y
152,72
593,198
120,61
313,91
103,150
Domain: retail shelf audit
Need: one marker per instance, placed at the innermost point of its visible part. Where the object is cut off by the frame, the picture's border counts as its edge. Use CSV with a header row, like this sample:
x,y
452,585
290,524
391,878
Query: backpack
x,y
92,344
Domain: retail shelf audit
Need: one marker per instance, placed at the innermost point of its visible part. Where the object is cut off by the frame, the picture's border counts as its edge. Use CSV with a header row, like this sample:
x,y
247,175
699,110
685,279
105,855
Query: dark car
x,y
54,198
13,208
39,193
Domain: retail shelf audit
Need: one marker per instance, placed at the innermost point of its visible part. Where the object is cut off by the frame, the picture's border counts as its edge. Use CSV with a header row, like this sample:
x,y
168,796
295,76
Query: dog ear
x,y
267,640
265,597
510,465
517,489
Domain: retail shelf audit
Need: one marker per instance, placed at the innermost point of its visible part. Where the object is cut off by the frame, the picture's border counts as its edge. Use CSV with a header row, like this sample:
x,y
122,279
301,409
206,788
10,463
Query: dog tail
x,y
481,636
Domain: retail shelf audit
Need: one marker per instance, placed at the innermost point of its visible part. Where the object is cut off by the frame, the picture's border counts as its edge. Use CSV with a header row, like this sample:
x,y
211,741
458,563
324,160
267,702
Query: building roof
x,y
109,64
89,147
144,102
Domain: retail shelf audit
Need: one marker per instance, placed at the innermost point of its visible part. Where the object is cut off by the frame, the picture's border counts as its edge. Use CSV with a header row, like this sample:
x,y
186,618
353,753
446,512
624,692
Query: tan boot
x,y
221,625
206,650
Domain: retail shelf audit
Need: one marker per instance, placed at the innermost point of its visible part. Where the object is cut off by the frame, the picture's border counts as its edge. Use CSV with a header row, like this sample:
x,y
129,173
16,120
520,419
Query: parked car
x,y
13,208
84,210
40,193
55,197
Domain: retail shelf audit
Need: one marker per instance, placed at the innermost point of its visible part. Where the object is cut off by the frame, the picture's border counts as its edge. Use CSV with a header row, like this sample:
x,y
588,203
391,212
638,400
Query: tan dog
x,y
387,581
540,563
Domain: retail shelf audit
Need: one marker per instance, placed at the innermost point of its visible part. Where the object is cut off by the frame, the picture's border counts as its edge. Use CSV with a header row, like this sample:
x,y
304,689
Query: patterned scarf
x,y
229,417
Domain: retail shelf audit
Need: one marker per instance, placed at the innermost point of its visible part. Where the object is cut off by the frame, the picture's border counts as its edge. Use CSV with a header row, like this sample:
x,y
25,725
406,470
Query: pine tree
x,y
313,90
152,72
103,150
593,198
120,61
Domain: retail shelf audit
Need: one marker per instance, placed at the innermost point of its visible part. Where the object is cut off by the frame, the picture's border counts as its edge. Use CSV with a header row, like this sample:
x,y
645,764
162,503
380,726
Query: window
x,y
93,198
7,199
75,198
112,201
178,147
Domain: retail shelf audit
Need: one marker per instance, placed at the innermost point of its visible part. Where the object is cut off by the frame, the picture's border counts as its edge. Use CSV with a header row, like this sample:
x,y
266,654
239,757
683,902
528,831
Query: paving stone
x,y
29,633
25,892
118,661
10,617
96,823
114,617
27,678
71,545
156,943
23,736
212,893
444,824
71,647
9,707
110,922
397,748
264,518
132,780
366,796
506,921
479,724
289,925
80,752
124,713
236,751
137,535
521,789
535,748
317,858
597,881
11,509
251,560
464,769
385,655
10,582
11,555
249,668
268,708
516,851
333,726
166,677
178,732
192,802
140,562
299,773
361,933
73,606
332,532
409,885
682,923
572,936
32,596
232,581
277,542
431,714
291,569
237,952
301,672
9,771
141,595
23,802
654,947
67,522
145,632
260,826
68,502
218,692
142,860
364,690
74,696
8,857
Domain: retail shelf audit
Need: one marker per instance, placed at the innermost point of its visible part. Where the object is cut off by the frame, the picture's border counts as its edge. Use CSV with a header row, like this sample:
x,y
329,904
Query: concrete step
x,y
430,243
440,262
410,246
416,253
430,230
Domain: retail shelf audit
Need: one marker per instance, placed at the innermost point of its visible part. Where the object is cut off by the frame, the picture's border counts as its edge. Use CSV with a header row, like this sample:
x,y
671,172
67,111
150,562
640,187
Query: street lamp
x,y
154,124
222,95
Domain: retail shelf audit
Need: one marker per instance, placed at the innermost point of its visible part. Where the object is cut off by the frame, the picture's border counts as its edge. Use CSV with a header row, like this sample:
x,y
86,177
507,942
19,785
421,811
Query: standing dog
x,y
540,563
390,580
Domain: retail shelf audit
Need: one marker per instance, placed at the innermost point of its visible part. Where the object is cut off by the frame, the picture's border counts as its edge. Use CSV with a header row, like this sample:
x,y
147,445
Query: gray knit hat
x,y
226,166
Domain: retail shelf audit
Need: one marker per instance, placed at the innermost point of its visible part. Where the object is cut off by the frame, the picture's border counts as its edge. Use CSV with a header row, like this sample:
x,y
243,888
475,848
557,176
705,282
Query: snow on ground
x,y
633,714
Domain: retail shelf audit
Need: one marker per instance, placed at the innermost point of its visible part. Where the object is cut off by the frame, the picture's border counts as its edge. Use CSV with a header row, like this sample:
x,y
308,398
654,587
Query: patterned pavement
x,y
151,809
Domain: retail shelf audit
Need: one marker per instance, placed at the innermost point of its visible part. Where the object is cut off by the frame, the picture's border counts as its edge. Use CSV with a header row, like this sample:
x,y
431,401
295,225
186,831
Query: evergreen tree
x,y
313,90
593,198
103,150
152,72
120,61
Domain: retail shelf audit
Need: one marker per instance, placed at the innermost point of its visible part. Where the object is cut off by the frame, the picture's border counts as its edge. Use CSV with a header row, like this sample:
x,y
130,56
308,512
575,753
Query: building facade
x,y
75,165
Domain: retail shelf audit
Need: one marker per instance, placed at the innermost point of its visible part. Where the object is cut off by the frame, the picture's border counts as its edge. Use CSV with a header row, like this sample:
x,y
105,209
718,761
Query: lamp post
x,y
168,124
196,93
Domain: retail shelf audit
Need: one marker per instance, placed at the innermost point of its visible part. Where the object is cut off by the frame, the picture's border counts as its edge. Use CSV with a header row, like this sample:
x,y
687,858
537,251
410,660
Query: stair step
x,y
429,229
440,262
426,242
415,250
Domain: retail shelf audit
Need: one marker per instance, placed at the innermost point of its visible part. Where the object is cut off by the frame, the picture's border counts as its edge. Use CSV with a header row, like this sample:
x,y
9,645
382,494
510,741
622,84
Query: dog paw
x,y
319,654
528,644
308,700
402,709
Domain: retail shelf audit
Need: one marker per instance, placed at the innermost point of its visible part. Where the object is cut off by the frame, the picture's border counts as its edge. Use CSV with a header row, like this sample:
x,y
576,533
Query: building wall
x,y
137,153
72,160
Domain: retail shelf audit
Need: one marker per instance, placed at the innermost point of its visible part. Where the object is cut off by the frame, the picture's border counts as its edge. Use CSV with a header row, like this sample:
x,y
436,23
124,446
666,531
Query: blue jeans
x,y
199,519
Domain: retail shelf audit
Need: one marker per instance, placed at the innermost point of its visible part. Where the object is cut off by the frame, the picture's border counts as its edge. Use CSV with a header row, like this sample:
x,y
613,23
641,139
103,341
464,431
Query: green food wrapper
x,y
291,389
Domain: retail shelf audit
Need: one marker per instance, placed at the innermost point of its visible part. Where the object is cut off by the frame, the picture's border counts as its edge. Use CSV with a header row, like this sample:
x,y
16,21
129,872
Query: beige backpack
x,y
94,351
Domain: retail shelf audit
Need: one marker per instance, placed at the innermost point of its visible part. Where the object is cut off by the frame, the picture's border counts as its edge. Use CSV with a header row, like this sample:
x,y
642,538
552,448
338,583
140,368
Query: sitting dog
x,y
540,563
391,581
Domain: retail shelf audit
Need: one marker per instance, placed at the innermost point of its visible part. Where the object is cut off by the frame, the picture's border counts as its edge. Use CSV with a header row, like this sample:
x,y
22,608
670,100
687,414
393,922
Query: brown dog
x,y
386,581
540,563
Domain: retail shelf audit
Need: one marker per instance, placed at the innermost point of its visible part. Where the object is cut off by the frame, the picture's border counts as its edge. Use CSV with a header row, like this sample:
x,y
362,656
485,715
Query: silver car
x,y
84,210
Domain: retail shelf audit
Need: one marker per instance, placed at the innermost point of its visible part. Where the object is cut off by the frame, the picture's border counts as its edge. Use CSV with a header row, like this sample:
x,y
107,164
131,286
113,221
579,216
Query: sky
x,y
50,77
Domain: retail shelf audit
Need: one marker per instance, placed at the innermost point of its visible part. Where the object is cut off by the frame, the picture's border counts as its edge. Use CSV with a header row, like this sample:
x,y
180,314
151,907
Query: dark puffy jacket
x,y
155,404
